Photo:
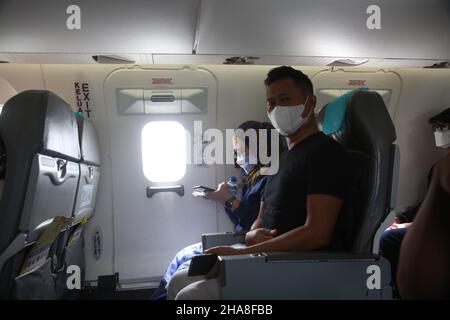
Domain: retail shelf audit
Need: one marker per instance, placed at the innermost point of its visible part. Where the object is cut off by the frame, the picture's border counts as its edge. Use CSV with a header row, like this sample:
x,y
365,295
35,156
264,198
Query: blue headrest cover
x,y
333,120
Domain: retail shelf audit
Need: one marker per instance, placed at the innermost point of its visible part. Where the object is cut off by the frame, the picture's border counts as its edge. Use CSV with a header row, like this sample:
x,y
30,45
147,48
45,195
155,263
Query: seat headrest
x,y
357,120
2,159
38,121
367,133
90,148
334,113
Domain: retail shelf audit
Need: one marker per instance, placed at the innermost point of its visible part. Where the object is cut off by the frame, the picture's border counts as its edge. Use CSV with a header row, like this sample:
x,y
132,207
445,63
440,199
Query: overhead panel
x,y
414,29
105,26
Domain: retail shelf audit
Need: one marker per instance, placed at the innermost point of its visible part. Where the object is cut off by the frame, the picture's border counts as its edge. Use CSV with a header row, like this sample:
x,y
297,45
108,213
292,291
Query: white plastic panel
x,y
6,91
162,101
329,85
130,101
194,100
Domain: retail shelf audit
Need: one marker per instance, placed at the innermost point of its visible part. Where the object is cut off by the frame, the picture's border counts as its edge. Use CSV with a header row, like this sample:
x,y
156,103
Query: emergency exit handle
x,y
179,189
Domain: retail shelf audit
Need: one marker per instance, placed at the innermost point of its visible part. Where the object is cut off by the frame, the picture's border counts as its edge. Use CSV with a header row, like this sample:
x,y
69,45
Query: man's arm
x,y
257,233
323,211
259,219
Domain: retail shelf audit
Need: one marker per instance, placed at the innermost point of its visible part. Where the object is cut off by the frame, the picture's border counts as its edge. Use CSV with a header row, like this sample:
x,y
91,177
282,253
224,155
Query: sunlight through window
x,y
164,151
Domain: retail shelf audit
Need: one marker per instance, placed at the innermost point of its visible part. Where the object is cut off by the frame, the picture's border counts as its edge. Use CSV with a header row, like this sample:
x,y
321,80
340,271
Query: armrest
x,y
210,240
309,275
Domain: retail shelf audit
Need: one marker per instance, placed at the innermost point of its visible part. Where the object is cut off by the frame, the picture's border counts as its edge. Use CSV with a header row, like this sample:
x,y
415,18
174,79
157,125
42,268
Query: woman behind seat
x,y
242,212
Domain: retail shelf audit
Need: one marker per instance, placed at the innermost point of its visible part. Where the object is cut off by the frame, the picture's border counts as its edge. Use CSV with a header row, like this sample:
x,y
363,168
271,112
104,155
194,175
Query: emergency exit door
x,y
152,137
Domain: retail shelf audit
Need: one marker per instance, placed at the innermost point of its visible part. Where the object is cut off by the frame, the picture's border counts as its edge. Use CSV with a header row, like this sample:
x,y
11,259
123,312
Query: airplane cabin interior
x,y
120,142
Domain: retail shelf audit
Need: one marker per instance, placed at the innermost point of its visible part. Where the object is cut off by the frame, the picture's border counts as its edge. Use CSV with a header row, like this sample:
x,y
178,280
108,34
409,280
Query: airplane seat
x,y
361,123
40,135
2,166
89,170
84,203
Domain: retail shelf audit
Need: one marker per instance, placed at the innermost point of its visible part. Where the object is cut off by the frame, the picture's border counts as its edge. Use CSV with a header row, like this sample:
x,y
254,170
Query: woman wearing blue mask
x,y
242,212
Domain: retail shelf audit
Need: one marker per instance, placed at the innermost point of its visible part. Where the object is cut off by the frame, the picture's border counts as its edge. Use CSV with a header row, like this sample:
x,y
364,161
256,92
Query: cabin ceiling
x,y
412,33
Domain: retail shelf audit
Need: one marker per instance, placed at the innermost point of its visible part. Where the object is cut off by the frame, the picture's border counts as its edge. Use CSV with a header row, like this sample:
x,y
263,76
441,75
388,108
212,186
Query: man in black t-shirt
x,y
311,176
302,202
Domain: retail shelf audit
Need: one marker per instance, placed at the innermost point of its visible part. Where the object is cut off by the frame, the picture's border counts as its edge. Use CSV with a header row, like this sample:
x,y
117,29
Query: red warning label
x,y
356,82
162,81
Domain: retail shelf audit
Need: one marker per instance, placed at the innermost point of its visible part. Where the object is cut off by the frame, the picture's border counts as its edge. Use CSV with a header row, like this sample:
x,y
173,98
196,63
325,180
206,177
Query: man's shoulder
x,y
324,144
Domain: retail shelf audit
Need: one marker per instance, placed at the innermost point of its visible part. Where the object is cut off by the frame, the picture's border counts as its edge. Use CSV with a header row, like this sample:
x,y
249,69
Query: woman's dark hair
x,y
254,175
256,125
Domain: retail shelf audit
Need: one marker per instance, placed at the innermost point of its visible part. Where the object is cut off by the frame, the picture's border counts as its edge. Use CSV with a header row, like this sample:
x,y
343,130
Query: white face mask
x,y
288,120
442,138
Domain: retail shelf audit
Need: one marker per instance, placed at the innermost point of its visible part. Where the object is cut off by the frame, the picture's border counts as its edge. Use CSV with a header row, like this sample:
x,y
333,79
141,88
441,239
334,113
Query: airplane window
x,y
1,108
164,151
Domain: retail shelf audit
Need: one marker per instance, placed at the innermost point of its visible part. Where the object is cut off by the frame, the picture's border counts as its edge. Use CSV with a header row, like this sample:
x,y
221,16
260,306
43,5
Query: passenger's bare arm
x,y
258,233
323,211
424,263
259,220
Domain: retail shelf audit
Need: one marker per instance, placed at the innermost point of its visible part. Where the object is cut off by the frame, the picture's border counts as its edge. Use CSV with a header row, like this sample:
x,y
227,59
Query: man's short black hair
x,y
300,79
443,118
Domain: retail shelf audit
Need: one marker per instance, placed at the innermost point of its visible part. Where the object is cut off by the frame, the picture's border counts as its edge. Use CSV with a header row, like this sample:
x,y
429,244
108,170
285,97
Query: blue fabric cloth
x,y
335,113
183,256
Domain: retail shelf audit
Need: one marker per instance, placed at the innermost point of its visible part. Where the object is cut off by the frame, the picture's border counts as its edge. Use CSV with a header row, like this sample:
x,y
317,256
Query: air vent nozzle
x,y
439,65
112,59
346,62
241,60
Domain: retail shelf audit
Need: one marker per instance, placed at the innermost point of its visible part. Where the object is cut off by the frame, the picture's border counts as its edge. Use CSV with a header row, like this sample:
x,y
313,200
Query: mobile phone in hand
x,y
200,191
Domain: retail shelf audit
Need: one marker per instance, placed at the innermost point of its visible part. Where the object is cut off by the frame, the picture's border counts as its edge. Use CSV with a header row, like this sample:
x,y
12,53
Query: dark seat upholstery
x,y
84,205
89,170
40,135
368,134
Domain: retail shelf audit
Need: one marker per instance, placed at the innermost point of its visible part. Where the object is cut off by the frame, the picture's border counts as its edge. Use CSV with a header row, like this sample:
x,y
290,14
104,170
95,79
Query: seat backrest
x,y
40,135
2,166
89,170
367,133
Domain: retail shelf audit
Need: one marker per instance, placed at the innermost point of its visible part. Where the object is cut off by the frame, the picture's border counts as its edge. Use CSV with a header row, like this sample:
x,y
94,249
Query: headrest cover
x,y
38,121
335,113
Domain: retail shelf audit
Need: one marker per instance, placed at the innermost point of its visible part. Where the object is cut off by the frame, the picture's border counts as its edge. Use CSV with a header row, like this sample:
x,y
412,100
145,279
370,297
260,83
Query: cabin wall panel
x,y
241,96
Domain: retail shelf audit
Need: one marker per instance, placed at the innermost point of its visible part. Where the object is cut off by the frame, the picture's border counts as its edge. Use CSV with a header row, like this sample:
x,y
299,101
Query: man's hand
x,y
224,251
259,235
222,193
